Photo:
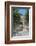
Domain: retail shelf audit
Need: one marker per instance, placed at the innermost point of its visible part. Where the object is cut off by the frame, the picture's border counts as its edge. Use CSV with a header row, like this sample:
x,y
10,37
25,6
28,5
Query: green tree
x,y
16,15
27,15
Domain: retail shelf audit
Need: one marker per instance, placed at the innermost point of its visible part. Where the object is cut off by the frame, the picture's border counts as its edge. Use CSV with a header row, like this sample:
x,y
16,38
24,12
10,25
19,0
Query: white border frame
x,y
30,24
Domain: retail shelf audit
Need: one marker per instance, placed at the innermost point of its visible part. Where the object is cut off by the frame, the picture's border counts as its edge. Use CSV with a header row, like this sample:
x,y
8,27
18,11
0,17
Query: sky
x,y
23,11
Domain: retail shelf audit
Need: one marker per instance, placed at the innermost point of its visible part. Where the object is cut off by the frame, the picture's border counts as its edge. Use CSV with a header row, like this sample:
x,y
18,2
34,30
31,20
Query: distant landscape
x,y
20,21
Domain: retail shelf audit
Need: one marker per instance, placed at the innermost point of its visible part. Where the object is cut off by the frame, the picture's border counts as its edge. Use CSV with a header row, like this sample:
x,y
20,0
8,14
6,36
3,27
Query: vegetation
x,y
16,15
27,15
